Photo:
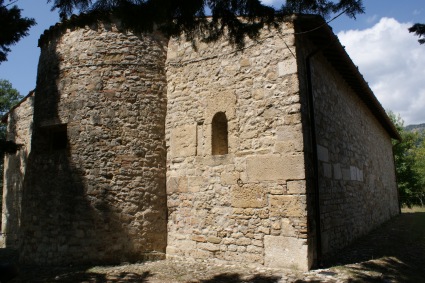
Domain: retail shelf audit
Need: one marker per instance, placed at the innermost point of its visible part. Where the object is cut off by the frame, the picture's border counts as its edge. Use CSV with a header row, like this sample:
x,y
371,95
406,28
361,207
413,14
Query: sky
x,y
389,57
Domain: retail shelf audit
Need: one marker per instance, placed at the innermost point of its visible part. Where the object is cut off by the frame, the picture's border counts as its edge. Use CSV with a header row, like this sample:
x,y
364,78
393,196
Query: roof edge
x,y
5,117
320,33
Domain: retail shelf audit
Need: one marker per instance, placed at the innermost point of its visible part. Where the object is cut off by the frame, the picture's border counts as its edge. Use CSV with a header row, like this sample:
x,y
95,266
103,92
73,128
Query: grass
x,y
413,209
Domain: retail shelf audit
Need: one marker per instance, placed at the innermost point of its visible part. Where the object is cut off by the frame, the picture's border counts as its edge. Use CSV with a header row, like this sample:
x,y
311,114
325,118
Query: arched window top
x,y
219,134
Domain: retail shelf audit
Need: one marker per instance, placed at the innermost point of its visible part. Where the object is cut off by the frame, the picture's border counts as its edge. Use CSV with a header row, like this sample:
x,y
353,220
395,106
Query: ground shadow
x,y
237,278
394,251
77,274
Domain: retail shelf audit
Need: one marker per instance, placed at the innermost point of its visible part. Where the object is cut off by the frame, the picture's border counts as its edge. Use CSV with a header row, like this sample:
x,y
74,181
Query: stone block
x,y
287,67
170,250
214,239
228,241
276,225
327,170
258,243
186,244
346,174
264,230
248,196
245,62
286,252
224,101
279,190
337,171
195,181
201,254
243,257
209,247
353,173
360,175
254,249
215,160
289,133
233,248
322,153
243,241
288,229
229,178
199,238
176,184
183,141
275,167
289,146
296,187
288,206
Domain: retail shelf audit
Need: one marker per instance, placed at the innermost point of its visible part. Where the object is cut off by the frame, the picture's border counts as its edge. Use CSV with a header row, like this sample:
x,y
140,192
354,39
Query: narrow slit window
x,y
219,134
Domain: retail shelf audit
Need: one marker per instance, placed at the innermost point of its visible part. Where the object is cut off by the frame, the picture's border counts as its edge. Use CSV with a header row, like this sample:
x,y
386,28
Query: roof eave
x,y
321,34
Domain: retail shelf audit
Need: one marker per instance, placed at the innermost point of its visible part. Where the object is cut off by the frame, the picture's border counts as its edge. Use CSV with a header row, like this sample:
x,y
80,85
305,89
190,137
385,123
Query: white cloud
x,y
392,61
274,3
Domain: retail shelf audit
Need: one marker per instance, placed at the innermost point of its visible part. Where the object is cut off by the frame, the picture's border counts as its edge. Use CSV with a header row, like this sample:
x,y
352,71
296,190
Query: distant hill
x,y
415,128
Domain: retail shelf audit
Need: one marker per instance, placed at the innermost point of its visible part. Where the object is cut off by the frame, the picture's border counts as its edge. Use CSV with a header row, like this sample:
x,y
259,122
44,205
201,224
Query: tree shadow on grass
x,y
237,278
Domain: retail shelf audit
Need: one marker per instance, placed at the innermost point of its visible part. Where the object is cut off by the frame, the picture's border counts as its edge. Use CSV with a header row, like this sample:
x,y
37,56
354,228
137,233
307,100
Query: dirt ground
x,y
395,252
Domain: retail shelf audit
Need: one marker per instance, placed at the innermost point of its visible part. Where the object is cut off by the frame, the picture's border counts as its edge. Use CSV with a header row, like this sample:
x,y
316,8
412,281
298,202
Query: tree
x,y
12,27
419,30
406,157
176,16
8,98
419,167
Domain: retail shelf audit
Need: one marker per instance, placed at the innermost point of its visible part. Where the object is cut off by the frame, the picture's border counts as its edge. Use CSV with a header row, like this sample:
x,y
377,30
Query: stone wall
x,y
128,128
19,129
356,167
250,204
95,184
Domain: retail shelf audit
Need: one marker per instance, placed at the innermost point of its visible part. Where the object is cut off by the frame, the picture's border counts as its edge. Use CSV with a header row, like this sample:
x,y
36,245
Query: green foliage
x,y
419,30
409,155
323,8
419,168
8,98
12,27
176,16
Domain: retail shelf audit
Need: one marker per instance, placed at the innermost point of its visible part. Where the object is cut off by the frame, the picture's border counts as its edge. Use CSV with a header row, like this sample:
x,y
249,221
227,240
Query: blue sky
x,y
388,56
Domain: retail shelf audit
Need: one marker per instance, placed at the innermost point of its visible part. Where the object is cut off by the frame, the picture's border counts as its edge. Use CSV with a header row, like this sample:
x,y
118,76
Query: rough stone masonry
x,y
139,147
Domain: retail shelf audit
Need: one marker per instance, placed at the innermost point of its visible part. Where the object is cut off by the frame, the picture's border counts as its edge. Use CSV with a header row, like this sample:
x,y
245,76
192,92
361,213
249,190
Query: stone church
x,y
140,147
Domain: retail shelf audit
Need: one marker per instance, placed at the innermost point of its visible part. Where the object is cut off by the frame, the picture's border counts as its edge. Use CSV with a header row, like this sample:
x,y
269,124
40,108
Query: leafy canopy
x,y
419,30
176,16
12,27
409,155
8,98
